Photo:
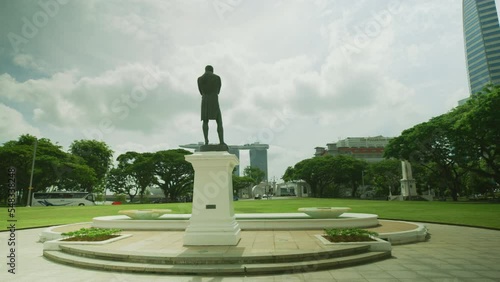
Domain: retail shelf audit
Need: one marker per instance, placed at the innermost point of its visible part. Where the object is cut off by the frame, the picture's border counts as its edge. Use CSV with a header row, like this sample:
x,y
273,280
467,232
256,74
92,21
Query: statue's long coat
x,y
209,85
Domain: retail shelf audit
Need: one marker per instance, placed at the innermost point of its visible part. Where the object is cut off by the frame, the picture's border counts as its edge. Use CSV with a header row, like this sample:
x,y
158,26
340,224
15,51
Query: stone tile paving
x,y
453,254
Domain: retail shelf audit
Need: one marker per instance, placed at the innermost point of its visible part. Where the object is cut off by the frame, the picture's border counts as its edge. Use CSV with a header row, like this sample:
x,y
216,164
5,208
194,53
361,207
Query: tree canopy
x,y
167,170
88,166
173,174
455,144
133,174
456,153
242,182
328,175
254,173
384,176
96,155
53,167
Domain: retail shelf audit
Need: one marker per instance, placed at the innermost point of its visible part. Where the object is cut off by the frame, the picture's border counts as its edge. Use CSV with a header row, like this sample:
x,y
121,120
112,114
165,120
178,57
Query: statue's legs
x,y
220,129
205,131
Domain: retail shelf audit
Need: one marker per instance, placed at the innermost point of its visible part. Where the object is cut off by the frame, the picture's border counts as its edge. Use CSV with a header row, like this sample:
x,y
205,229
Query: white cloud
x,y
27,61
296,74
13,124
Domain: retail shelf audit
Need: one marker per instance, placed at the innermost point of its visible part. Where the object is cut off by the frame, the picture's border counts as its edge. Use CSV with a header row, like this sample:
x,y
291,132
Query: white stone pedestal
x,y
408,188
212,220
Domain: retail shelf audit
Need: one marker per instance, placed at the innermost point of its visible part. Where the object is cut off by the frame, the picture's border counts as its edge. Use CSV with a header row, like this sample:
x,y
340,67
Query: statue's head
x,y
209,68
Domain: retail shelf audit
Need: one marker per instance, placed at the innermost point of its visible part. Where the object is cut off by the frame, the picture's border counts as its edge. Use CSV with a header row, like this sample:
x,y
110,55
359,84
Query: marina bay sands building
x,y
258,154
482,43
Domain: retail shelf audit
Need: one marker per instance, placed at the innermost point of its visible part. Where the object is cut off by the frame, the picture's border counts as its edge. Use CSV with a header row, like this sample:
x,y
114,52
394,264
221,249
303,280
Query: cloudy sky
x,y
295,74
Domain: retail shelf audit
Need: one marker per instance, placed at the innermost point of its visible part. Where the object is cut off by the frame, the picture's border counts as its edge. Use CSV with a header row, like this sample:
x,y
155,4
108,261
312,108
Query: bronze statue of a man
x,y
209,85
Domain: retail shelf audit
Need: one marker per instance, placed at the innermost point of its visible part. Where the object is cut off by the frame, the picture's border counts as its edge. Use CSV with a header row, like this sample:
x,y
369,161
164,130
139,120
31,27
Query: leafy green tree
x,y
432,144
347,172
478,186
307,170
75,175
453,144
328,175
119,182
173,174
242,182
289,174
96,154
384,176
19,157
254,173
429,177
137,169
53,166
478,126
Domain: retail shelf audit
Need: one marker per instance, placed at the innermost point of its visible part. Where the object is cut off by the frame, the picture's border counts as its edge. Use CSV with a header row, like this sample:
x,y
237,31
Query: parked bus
x,y
63,199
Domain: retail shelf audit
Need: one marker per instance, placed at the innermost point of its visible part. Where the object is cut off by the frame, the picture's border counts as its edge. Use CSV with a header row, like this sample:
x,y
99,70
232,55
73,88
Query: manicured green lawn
x,y
462,213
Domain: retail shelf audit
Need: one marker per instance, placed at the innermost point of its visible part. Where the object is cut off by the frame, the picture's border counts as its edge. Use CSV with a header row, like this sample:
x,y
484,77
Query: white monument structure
x,y
212,219
408,186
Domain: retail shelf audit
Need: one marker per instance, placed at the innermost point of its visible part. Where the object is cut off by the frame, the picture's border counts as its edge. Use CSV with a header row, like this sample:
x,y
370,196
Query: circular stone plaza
x,y
272,247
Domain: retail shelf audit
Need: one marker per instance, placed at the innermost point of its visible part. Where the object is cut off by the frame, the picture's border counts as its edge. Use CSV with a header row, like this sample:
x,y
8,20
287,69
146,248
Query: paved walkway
x,y
452,254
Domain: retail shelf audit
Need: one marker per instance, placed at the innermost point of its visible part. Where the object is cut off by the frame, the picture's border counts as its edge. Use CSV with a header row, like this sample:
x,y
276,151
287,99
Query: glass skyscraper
x,y
482,43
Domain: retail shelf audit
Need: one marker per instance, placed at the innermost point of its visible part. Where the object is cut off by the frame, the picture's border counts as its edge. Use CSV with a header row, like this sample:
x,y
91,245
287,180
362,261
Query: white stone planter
x,y
145,214
250,221
49,233
324,212
419,234
54,245
378,245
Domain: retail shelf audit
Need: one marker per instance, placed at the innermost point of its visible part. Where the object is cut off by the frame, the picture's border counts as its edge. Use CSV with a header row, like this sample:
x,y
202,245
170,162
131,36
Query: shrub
x,y
121,198
349,232
91,234
349,235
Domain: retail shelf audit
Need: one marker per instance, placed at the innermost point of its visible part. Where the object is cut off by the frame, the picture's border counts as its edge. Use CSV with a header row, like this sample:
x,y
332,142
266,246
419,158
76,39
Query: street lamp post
x,y
28,202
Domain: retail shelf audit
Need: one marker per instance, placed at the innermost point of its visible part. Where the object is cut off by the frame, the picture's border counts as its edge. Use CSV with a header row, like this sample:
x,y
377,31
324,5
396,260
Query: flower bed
x,y
91,234
354,236
349,235
85,236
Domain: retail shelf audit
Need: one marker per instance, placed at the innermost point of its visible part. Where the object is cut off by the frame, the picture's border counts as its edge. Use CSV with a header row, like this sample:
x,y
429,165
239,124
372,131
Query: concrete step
x,y
207,258
216,269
